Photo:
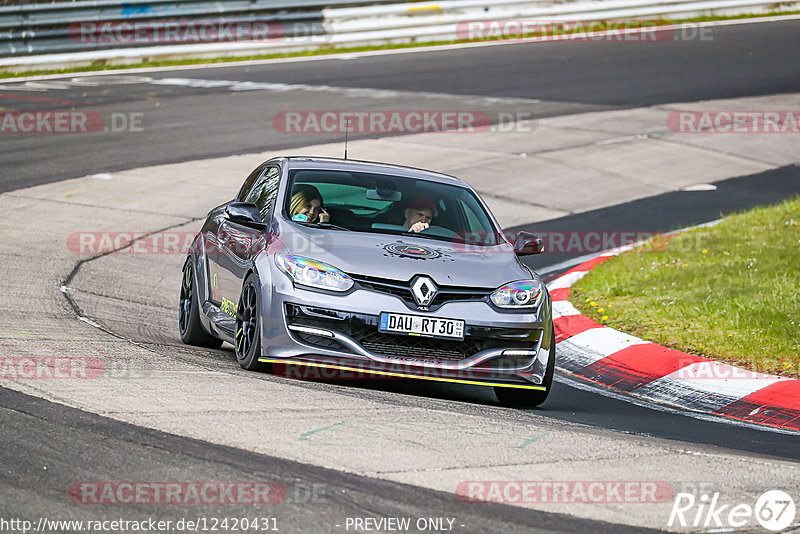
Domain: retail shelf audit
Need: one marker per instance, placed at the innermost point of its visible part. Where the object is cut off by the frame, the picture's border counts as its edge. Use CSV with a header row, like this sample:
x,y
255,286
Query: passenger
x,y
306,205
419,213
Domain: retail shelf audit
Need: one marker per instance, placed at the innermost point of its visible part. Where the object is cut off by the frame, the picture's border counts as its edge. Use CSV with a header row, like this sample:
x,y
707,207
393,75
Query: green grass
x,y
101,66
730,292
233,59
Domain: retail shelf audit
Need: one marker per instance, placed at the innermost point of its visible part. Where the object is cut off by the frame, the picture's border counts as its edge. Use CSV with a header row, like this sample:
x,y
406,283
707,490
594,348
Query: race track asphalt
x,y
185,123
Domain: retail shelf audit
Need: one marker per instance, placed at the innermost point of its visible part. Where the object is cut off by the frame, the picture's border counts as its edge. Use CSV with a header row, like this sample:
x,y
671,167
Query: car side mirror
x,y
245,213
527,244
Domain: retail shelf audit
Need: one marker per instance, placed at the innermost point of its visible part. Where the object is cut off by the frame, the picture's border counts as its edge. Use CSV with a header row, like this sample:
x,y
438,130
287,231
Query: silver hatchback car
x,y
369,270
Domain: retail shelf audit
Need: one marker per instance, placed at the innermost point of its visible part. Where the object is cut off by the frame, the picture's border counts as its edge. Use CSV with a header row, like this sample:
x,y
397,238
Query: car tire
x,y
189,325
530,398
247,335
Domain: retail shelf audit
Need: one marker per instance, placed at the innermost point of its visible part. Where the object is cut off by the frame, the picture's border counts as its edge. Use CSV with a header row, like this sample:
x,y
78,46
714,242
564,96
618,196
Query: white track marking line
x,y
241,86
355,92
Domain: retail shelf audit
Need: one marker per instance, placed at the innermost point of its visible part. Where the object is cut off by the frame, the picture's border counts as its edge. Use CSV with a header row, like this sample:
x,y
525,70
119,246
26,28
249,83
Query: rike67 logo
x,y
774,510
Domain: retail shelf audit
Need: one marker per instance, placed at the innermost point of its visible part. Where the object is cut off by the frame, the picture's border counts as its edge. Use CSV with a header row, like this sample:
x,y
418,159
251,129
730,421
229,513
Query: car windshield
x,y
385,204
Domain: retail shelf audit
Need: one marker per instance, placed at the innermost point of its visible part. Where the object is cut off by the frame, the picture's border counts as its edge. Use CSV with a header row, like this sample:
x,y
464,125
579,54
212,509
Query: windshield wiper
x,y
433,237
325,225
424,236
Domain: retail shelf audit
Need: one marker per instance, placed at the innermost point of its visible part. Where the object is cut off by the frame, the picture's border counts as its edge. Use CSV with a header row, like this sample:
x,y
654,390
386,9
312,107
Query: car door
x,y
214,240
238,243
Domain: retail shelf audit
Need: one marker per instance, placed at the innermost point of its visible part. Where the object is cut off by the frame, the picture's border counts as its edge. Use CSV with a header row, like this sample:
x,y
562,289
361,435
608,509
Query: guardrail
x,y
40,36
47,28
432,21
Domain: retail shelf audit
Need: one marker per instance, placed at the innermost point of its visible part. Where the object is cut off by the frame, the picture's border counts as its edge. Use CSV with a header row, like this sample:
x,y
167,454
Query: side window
x,y
265,190
248,183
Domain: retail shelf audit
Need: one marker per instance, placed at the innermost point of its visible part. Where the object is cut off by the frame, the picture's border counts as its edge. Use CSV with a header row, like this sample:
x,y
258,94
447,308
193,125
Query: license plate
x,y
416,325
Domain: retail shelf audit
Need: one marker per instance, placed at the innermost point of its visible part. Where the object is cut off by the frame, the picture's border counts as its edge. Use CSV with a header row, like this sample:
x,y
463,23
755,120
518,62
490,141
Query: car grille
x,y
403,290
418,347
363,329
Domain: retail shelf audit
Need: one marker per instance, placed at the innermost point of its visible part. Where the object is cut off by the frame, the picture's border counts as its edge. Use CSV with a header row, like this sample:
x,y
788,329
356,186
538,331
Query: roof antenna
x,y
346,131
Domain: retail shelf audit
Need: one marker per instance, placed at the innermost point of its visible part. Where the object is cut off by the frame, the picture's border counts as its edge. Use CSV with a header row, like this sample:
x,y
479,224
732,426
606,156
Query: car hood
x,y
402,257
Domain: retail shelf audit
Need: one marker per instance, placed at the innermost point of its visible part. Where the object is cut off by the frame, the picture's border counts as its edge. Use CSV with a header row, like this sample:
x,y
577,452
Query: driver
x,y
306,205
419,213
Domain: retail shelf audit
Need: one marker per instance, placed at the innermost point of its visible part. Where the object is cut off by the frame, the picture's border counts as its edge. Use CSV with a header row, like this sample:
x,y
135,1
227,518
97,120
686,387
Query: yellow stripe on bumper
x,y
400,375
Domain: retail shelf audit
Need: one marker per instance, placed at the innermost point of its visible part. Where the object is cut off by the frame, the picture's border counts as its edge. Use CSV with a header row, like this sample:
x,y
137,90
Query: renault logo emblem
x,y
424,290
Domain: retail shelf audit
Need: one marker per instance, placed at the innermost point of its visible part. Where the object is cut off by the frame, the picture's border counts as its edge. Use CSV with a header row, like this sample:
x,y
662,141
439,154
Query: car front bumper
x,y
339,333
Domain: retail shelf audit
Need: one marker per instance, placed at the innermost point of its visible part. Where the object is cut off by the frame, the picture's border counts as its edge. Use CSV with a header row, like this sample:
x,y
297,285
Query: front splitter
x,y
395,374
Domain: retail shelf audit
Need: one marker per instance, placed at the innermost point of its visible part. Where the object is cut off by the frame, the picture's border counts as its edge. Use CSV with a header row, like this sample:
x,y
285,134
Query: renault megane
x,y
372,268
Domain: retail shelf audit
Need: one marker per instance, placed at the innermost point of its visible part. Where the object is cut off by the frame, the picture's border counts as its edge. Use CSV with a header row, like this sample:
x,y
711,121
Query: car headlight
x,y
518,295
312,273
